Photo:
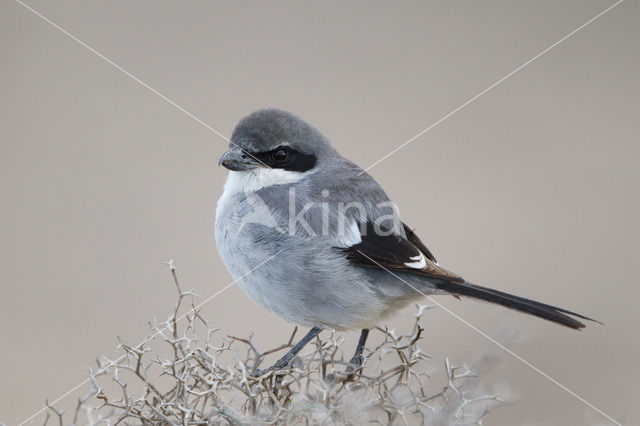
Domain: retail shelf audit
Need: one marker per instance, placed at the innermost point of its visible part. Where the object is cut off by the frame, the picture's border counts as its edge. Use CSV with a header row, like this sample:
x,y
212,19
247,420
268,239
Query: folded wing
x,y
381,248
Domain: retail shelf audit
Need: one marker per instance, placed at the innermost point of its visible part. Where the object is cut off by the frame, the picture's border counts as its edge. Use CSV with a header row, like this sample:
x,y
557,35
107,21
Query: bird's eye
x,y
280,155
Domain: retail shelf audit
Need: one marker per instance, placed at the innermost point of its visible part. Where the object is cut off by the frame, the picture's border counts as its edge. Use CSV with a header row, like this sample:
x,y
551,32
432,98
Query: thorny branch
x,y
183,376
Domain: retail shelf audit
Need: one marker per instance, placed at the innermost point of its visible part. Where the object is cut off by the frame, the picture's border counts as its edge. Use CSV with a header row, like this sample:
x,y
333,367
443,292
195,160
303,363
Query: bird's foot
x,y
355,366
258,372
279,365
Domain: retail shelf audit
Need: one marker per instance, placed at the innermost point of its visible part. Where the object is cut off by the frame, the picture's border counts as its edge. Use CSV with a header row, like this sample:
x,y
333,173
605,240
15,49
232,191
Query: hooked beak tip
x,y
236,160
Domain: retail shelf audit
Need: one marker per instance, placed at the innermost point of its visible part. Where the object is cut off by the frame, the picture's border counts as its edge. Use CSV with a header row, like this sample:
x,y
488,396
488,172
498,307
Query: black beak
x,y
236,160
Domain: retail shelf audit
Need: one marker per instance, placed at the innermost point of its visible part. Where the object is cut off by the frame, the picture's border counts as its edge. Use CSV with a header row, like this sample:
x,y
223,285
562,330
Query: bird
x,y
312,237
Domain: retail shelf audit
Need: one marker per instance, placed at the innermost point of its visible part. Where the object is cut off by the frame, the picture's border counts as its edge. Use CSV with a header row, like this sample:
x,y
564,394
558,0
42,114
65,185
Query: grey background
x,y
530,189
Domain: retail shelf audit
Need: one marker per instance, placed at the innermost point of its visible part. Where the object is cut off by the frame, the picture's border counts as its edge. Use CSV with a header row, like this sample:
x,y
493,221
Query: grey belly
x,y
308,283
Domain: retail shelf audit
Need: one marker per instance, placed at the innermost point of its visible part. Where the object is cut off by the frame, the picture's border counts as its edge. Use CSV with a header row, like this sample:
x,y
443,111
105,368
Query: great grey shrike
x,y
338,254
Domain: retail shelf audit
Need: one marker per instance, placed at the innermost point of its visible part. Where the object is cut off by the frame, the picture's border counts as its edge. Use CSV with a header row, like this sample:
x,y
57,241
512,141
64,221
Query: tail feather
x,y
541,310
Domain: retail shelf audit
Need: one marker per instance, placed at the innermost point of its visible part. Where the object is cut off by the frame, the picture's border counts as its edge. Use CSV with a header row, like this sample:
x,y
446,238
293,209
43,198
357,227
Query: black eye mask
x,y
287,158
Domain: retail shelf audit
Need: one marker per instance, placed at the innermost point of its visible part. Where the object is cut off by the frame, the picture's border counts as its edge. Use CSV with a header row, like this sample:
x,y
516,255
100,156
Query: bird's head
x,y
275,139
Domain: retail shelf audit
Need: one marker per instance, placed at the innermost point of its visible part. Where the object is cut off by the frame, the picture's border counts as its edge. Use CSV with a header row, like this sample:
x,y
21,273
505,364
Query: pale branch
x,y
207,380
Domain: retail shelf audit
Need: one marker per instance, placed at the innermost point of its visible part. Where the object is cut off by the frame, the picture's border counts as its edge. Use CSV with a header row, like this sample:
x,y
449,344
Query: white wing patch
x,y
420,262
348,237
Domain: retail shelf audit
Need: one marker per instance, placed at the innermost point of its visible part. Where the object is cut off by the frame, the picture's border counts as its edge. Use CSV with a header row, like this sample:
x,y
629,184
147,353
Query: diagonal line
x,y
84,382
492,86
500,345
133,77
110,62
374,164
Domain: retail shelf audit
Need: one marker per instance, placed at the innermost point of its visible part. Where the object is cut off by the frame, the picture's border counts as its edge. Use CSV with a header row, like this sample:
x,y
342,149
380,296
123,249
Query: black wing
x,y
393,251
413,239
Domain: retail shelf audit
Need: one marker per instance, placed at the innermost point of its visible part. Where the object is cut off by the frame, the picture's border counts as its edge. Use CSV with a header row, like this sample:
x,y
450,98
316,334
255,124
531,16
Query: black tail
x,y
541,310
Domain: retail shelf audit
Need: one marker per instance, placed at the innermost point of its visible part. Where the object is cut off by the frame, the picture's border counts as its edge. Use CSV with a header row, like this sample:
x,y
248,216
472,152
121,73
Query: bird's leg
x,y
286,359
356,361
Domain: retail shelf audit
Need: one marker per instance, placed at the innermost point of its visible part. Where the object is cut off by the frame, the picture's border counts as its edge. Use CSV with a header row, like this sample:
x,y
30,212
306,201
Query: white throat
x,y
256,179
